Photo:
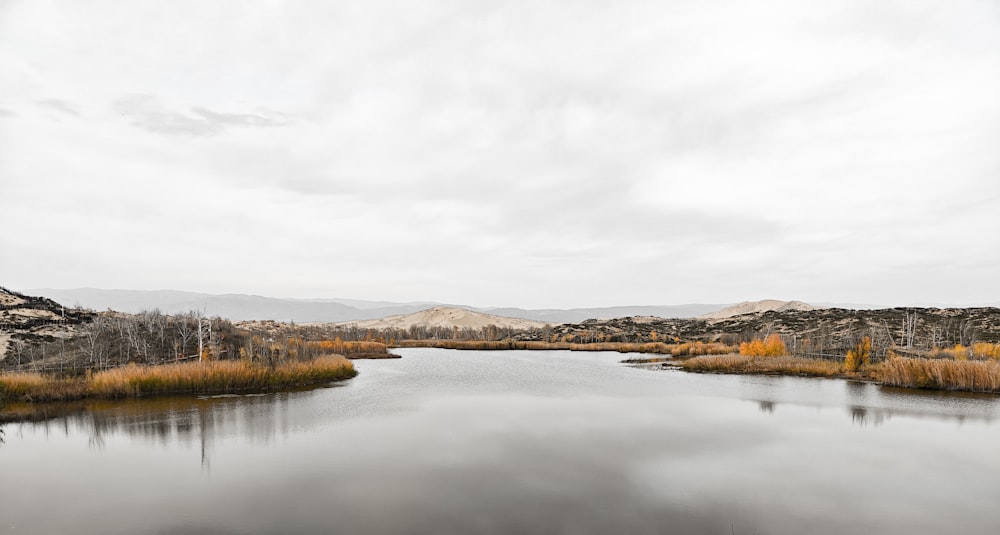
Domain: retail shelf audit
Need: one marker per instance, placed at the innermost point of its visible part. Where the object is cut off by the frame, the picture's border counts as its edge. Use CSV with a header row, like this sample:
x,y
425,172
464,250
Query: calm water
x,y
515,442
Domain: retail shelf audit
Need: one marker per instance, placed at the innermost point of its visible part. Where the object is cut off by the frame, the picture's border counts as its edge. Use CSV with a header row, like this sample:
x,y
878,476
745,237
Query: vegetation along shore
x,y
960,368
209,377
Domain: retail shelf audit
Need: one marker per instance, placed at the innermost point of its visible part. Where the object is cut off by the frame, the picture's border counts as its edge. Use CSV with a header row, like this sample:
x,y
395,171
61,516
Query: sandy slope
x,y
446,317
756,307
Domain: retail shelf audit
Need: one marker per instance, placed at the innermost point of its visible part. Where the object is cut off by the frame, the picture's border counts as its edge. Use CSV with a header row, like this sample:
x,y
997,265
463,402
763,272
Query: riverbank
x,y
660,348
932,374
212,377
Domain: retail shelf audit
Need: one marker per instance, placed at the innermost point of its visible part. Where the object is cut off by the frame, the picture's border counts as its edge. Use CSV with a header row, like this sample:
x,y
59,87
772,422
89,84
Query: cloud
x,y
60,106
508,154
149,113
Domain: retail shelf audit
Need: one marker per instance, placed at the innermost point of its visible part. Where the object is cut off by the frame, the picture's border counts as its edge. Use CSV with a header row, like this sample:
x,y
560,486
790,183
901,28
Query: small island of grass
x,y
959,368
204,377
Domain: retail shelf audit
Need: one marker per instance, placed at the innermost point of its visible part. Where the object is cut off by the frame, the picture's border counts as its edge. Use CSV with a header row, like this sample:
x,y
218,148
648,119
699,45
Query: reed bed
x,y
492,345
692,349
212,377
35,386
749,364
351,349
966,375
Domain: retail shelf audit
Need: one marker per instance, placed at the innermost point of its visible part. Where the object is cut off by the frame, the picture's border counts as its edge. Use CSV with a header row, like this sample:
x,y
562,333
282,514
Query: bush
x,y
860,356
773,346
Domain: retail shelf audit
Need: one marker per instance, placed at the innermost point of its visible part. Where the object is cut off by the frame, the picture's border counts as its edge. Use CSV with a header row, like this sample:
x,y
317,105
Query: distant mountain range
x,y
240,307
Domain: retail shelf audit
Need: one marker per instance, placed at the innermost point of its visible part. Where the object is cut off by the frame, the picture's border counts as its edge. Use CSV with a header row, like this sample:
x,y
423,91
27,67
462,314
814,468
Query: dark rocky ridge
x,y
825,329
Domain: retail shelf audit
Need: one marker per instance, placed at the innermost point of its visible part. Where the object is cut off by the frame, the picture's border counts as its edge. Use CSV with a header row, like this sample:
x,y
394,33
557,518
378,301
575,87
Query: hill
x,y
236,307
25,319
447,317
241,307
757,307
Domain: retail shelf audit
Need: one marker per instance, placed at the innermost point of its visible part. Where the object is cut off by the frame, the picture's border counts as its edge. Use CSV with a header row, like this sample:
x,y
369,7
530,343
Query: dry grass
x,y
691,349
38,387
967,375
750,364
486,345
351,349
212,377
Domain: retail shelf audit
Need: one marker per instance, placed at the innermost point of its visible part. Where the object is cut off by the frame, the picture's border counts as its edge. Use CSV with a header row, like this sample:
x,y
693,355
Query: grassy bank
x,y
965,375
749,364
214,377
661,348
352,349
936,374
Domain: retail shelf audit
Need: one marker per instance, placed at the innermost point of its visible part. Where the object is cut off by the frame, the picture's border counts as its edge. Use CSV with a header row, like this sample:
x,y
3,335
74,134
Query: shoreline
x,y
978,377
193,378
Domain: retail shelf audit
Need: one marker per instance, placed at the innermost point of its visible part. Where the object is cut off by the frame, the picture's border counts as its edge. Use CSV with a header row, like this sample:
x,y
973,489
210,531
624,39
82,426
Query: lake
x,y
456,442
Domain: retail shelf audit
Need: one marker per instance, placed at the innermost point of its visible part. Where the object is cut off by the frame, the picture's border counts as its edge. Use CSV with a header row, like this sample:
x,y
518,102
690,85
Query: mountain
x,y
757,307
447,317
239,307
576,315
236,307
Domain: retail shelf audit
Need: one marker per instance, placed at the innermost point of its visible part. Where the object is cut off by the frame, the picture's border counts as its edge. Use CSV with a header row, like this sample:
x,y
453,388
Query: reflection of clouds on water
x,y
193,422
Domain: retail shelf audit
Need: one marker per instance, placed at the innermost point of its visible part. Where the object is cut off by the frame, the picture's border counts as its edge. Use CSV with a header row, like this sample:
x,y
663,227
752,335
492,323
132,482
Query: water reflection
x,y
163,422
477,442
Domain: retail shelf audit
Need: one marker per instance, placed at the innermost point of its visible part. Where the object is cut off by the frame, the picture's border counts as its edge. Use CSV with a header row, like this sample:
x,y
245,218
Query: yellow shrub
x,y
771,347
859,356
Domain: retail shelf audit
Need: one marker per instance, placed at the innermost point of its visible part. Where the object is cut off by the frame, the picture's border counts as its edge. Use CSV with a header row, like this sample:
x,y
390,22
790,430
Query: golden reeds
x,y
349,348
621,347
692,349
967,375
750,364
209,377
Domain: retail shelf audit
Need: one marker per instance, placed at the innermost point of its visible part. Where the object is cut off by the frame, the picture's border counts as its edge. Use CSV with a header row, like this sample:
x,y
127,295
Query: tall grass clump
x,y
693,349
940,374
38,387
501,345
219,377
350,348
750,364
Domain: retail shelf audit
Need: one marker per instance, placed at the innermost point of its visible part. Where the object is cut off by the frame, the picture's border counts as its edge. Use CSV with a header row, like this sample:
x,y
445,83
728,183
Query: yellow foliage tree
x,y
860,355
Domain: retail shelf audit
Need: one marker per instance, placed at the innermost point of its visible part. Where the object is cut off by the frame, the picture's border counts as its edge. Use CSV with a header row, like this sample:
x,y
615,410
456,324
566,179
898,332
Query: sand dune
x,y
446,317
757,307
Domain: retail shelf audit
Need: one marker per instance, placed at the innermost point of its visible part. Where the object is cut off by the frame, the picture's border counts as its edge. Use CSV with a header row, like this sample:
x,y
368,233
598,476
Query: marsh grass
x,y
940,374
693,348
352,349
750,364
212,377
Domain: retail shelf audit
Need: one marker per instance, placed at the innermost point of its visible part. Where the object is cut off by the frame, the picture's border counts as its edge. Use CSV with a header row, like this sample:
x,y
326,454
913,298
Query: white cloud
x,y
533,154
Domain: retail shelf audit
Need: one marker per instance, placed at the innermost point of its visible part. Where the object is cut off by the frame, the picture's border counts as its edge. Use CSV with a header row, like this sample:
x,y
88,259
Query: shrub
x,y
773,346
859,356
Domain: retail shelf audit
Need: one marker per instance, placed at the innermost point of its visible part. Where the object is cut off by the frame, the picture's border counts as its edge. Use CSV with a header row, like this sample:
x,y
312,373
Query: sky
x,y
532,154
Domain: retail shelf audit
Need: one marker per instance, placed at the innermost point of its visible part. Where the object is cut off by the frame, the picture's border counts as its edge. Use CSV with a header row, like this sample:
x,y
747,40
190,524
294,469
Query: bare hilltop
x,y
447,317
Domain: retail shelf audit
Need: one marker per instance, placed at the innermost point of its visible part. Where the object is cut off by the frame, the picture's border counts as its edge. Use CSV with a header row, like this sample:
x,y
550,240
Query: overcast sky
x,y
533,154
